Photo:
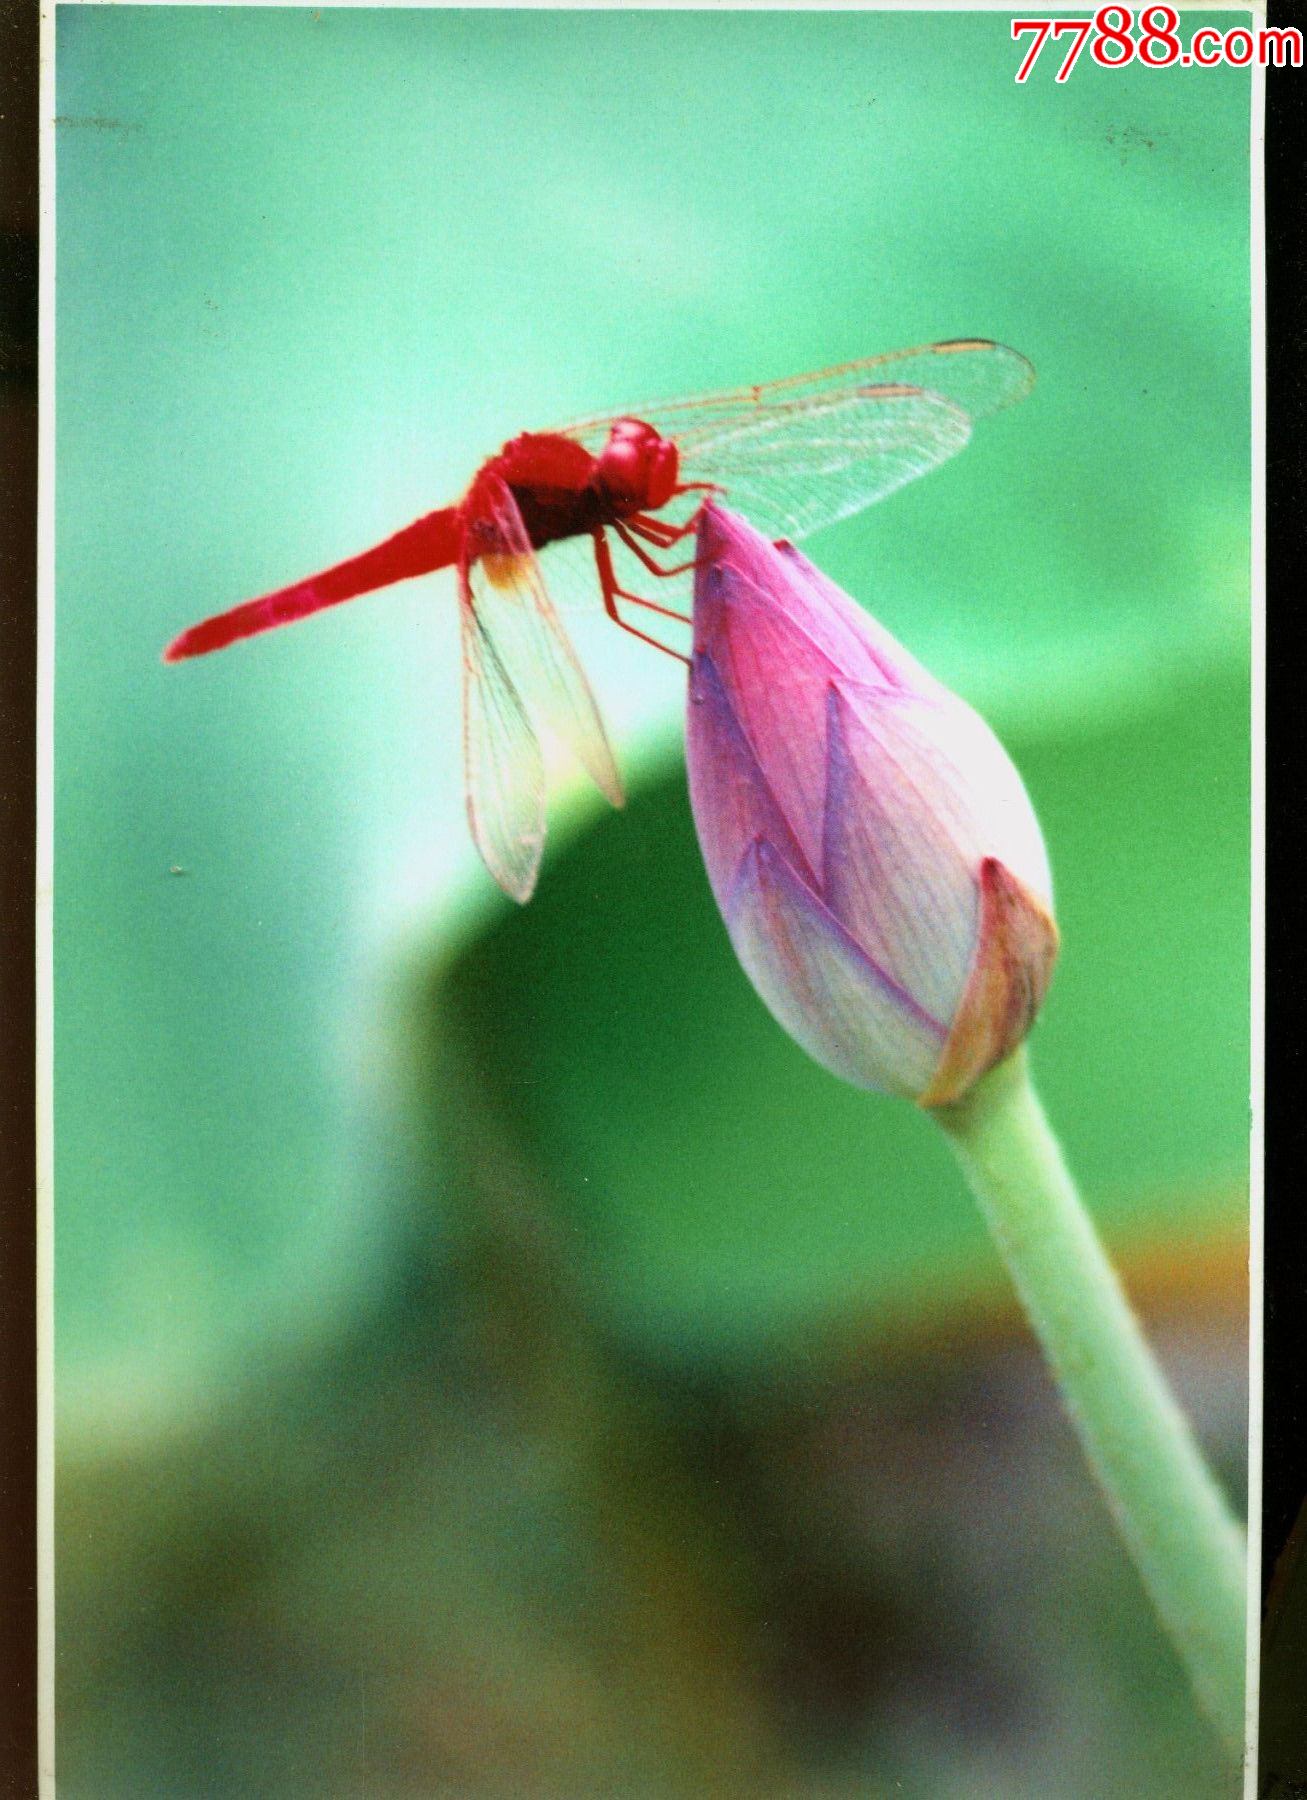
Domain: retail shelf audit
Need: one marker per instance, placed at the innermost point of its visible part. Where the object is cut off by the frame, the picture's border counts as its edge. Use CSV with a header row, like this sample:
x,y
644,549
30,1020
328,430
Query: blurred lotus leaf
x,y
720,1191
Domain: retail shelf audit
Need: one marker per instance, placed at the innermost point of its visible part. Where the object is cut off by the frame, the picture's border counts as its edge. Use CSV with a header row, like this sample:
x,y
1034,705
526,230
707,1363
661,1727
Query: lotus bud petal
x,y
872,850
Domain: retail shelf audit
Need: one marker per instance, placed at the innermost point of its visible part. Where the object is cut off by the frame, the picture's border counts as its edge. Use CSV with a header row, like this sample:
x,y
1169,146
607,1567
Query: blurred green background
x,y
490,1359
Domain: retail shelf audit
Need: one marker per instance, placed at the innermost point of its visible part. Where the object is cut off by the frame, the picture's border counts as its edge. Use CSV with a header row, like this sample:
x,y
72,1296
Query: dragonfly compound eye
x,y
638,466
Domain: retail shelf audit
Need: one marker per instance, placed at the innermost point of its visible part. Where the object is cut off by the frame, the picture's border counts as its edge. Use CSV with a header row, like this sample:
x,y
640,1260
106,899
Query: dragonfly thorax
x,y
637,467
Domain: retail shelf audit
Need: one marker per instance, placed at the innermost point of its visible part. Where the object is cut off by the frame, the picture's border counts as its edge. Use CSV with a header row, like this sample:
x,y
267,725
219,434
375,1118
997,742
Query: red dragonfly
x,y
792,455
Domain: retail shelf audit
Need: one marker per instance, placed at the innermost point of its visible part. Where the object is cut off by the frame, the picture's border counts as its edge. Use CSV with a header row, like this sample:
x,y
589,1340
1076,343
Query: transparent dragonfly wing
x,y
574,587
567,567
978,376
504,771
520,674
798,468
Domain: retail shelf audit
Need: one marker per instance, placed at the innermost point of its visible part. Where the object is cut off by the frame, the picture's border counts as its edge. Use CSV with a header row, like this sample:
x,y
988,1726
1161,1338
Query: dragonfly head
x,y
637,466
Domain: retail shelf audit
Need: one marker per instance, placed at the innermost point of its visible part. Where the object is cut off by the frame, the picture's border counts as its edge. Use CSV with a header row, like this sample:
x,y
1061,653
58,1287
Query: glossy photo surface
x,y
492,1358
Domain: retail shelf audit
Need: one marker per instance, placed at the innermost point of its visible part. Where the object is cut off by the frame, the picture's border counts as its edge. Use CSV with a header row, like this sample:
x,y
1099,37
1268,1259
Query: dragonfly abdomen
x,y
431,542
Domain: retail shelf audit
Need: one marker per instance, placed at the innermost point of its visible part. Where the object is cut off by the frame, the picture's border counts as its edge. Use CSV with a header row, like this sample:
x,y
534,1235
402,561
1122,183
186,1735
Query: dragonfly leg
x,y
612,592
708,489
658,531
661,531
631,540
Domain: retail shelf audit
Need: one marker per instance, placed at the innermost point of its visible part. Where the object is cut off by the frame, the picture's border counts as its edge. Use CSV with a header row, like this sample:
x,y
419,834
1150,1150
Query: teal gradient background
x,y
313,266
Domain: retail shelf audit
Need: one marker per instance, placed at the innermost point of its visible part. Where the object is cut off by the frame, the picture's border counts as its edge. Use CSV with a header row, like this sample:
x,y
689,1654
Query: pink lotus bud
x,y
872,849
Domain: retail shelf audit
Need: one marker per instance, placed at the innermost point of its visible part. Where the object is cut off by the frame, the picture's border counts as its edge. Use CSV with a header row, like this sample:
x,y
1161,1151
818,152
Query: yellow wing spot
x,y
502,569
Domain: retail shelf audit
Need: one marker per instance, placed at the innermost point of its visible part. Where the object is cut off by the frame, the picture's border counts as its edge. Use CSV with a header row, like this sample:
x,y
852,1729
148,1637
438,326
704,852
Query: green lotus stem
x,y
1186,1544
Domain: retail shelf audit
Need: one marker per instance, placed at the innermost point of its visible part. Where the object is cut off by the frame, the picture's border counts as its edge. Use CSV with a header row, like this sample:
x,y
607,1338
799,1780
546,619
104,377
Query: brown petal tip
x,y
1015,952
